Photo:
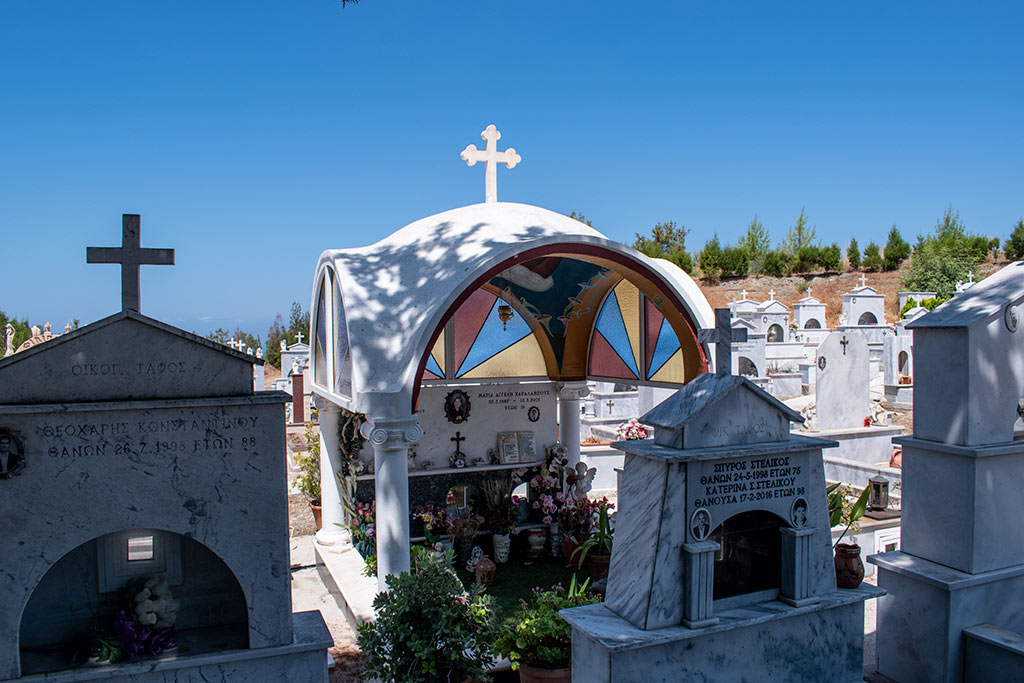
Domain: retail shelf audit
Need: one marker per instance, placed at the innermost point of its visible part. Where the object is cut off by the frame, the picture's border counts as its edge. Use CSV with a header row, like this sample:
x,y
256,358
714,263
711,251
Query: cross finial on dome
x,y
863,280
492,157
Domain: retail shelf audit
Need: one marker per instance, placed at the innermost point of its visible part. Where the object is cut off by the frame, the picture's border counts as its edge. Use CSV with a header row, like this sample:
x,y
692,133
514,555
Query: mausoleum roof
x,y
397,292
980,303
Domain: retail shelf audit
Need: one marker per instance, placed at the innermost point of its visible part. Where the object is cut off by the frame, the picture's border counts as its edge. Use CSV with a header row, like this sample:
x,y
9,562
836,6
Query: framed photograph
x,y
508,447
527,447
456,406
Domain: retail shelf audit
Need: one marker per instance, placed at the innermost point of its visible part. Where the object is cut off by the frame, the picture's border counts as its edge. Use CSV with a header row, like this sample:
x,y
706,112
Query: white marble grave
x,y
129,429
842,382
722,545
961,565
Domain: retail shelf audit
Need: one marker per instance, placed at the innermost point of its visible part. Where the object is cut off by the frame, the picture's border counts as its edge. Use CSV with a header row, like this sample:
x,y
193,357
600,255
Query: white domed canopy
x,y
379,310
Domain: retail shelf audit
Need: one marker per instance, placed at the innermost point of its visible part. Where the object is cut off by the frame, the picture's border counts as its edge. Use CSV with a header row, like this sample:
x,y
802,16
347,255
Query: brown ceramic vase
x,y
849,568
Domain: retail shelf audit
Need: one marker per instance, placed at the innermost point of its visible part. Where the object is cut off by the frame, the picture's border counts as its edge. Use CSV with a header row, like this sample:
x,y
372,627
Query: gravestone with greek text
x,y
722,543
133,449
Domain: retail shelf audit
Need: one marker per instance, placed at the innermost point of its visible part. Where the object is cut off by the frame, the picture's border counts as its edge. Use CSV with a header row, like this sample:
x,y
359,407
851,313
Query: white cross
x,y
298,335
808,291
771,295
970,277
743,295
863,280
492,157
232,343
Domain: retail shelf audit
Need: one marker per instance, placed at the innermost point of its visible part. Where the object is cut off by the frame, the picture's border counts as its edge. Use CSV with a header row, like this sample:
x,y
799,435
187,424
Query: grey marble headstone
x,y
843,381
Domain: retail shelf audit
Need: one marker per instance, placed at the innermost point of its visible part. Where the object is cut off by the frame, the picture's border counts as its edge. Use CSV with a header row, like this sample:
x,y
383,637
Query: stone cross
x,y
458,439
863,280
232,343
808,291
492,157
298,335
771,295
610,404
723,336
844,342
743,295
130,256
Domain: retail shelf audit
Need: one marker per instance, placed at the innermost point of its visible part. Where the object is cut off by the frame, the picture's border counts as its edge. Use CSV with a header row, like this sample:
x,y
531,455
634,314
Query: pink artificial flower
x,y
547,519
536,505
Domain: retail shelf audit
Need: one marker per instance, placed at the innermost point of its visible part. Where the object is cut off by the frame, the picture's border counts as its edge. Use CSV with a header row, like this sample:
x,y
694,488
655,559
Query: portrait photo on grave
x,y
12,455
533,413
456,406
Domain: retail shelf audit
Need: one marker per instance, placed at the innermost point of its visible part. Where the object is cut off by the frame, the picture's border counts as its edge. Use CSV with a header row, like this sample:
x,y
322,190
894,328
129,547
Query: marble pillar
x,y
332,531
569,396
391,439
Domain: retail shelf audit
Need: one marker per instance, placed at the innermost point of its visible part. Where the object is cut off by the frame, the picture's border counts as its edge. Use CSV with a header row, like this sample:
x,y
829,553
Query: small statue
x,y
474,558
412,459
457,460
584,481
492,453
810,420
10,341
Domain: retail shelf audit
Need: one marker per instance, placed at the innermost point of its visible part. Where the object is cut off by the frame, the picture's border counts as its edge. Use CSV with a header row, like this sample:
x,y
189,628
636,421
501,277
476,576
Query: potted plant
x,y
536,640
502,521
428,627
463,532
435,521
575,520
849,567
308,480
596,550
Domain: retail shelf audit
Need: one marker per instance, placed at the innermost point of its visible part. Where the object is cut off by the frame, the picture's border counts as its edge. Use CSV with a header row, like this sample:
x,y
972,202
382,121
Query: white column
x,y
391,439
331,533
569,396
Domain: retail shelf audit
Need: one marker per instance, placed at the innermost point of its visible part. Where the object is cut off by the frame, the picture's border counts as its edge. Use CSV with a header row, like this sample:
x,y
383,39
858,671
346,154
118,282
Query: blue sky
x,y
253,135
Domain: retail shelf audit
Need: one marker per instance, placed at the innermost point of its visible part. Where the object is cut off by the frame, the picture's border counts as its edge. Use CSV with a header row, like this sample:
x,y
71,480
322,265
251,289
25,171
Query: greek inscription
x,y
127,370
742,481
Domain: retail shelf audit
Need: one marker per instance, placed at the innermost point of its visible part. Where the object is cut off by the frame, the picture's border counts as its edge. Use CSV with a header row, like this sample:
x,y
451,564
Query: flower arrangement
x,y
631,431
144,626
435,521
547,484
502,518
536,635
363,528
465,527
576,519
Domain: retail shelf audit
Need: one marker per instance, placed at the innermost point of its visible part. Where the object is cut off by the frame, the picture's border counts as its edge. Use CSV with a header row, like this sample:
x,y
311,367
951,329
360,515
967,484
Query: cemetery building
x,y
136,455
809,318
475,325
953,612
863,313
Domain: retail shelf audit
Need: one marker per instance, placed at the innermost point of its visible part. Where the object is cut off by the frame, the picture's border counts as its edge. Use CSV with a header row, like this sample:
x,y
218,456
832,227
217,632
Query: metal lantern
x,y
878,499
504,314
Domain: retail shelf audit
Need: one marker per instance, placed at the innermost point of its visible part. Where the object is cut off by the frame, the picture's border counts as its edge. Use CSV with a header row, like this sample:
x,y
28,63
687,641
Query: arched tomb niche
x,y
82,591
867,318
747,367
749,559
776,333
812,324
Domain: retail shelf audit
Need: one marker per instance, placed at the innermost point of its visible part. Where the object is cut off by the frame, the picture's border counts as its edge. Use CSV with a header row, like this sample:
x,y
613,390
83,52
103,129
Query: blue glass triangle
x,y
492,339
610,324
666,345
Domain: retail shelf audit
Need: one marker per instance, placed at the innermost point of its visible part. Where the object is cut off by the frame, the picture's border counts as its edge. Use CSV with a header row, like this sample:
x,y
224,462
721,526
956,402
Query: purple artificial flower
x,y
161,640
130,635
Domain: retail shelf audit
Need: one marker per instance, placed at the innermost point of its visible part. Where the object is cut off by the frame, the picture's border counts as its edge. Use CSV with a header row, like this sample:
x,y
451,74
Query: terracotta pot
x,y
597,565
849,568
318,518
568,548
529,674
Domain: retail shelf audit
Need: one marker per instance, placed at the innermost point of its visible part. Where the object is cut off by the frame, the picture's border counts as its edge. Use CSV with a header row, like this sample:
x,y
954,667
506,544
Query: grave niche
x,y
749,558
81,592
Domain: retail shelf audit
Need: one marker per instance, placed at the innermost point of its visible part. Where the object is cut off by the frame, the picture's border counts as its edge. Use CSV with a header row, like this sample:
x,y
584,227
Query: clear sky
x,y
253,135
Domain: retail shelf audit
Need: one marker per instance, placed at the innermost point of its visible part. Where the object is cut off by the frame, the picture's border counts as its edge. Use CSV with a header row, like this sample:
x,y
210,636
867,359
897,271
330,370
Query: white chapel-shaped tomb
x,y
489,293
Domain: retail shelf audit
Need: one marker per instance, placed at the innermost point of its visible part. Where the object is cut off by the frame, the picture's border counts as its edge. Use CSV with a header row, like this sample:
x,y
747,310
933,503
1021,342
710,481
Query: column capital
x,y
573,391
392,434
324,405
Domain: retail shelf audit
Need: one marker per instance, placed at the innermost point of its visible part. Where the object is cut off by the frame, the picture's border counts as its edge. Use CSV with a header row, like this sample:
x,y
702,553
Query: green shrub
x,y
308,481
1014,246
428,627
773,264
536,635
853,254
897,250
735,261
872,258
830,257
710,259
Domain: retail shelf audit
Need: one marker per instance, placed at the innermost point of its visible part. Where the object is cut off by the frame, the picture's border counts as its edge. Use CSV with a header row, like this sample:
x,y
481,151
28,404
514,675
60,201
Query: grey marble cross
x,y
723,337
130,256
